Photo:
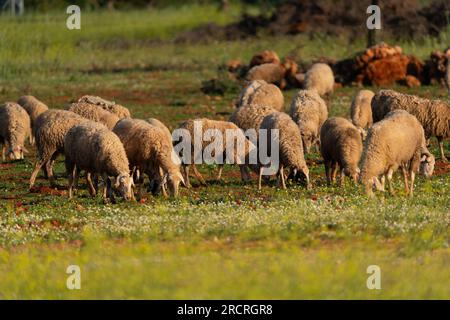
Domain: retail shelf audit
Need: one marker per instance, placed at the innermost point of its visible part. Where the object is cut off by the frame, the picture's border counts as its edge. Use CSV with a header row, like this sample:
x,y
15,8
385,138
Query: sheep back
x,y
361,110
320,78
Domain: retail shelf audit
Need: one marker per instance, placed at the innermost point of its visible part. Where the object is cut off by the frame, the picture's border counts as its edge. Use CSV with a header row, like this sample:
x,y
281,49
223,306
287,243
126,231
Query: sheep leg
x,y
334,169
413,176
4,153
91,188
328,171
342,179
441,148
281,178
219,172
405,179
260,177
244,173
72,174
49,167
198,175
35,172
186,175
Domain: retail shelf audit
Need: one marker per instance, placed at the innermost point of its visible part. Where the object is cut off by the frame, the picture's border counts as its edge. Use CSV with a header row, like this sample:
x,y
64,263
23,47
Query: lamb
x,y
320,78
239,156
110,106
150,151
340,144
14,129
398,141
290,146
309,111
49,130
94,113
34,107
259,92
92,147
434,115
361,110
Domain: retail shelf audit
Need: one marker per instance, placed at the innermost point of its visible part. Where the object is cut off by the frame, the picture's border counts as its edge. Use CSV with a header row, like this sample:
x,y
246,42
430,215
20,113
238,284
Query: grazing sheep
x,y
151,152
49,131
320,78
34,107
155,122
361,110
340,144
434,115
259,92
269,72
290,146
95,113
398,141
110,106
309,111
14,129
92,147
250,116
239,156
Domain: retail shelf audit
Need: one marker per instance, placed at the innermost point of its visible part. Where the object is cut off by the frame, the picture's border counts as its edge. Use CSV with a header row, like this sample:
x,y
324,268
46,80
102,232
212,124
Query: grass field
x,y
227,240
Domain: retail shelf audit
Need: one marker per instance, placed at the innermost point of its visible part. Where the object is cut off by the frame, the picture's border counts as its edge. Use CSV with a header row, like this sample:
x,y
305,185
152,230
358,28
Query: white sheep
x,y
397,141
259,92
320,78
95,113
434,115
50,130
14,129
240,157
151,152
34,107
92,147
110,106
309,111
340,144
361,110
290,146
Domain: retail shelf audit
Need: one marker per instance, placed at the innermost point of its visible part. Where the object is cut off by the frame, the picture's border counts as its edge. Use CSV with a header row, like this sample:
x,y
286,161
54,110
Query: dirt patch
x,y
48,191
441,168
401,19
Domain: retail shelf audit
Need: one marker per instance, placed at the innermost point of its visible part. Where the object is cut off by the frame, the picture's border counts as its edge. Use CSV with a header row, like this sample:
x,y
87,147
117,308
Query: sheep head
x,y
124,186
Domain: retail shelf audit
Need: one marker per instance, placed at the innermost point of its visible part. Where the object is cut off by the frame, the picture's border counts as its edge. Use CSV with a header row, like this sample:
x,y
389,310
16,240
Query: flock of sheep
x,y
387,131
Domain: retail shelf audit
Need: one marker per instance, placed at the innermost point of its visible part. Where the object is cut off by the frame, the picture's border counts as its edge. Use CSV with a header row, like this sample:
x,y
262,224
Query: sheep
x,y
320,78
361,110
259,92
92,147
49,131
269,72
266,56
14,129
94,113
155,122
340,144
434,115
151,152
290,146
239,156
250,116
398,141
110,106
34,107
309,111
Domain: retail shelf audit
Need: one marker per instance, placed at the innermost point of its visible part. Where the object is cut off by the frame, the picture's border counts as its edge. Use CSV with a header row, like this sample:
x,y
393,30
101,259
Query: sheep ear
x,y
424,158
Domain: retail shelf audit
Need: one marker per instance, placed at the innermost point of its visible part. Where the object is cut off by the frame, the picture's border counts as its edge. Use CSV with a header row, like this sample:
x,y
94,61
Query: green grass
x,y
227,240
